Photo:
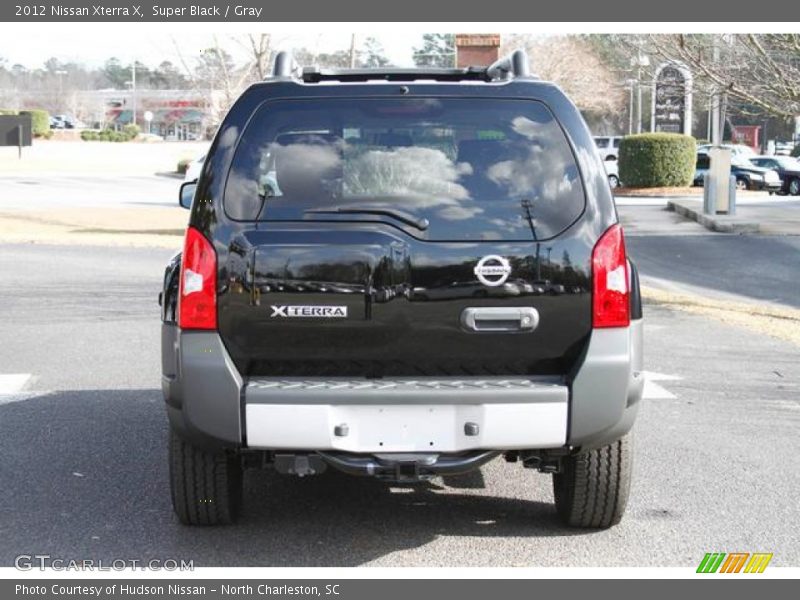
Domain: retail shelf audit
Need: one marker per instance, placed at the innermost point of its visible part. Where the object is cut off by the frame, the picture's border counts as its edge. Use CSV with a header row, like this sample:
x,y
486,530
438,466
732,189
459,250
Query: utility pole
x,y
638,101
352,50
639,61
133,90
631,84
716,138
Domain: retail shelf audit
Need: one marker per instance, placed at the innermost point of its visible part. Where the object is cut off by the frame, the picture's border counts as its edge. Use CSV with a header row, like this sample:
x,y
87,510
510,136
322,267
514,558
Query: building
x,y
175,114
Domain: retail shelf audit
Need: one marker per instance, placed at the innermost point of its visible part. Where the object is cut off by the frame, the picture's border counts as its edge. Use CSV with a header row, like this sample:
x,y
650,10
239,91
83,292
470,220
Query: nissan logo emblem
x,y
492,270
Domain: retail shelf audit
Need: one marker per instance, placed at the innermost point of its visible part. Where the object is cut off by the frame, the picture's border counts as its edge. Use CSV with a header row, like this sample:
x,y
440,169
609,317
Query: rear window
x,y
443,169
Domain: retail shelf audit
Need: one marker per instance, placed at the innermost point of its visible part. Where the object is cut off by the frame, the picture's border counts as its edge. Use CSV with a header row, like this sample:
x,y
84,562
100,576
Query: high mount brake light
x,y
197,306
611,306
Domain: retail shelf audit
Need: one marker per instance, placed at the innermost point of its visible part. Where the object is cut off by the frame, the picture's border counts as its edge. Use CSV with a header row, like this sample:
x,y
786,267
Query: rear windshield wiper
x,y
420,223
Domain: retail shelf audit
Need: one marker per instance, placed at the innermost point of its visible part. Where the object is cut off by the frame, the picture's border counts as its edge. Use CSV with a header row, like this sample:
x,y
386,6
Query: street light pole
x,y
133,91
639,61
716,138
631,83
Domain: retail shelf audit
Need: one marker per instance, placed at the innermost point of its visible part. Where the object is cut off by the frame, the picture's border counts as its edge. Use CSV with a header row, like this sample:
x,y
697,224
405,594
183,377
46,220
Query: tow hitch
x,y
403,467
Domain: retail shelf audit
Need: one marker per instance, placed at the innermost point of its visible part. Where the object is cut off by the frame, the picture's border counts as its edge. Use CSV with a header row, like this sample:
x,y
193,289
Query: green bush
x,y
796,151
183,165
40,120
131,130
657,160
109,135
8,111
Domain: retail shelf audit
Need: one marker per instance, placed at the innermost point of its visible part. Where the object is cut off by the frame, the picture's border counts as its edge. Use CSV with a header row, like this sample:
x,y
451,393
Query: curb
x,y
718,223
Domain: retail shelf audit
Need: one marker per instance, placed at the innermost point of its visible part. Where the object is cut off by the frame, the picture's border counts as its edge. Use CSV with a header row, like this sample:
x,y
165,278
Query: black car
x,y
469,187
788,170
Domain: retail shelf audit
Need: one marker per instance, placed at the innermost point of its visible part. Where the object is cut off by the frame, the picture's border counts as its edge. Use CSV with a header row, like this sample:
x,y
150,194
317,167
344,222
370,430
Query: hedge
x,y
796,151
128,133
657,160
40,120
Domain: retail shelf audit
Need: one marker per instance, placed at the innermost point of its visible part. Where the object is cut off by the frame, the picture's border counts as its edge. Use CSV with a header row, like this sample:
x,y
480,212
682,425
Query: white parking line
x,y
11,384
11,387
654,391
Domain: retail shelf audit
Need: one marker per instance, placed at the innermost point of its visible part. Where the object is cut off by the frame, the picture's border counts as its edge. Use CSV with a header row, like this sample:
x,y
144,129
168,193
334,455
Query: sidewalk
x,y
774,215
148,226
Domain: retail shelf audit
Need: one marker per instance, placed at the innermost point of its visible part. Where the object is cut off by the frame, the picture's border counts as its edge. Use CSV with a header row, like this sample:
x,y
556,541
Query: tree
x,y
116,74
373,54
167,76
437,50
340,59
760,70
572,63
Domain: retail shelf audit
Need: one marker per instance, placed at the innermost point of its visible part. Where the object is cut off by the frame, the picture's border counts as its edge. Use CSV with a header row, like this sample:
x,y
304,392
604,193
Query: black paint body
x,y
404,295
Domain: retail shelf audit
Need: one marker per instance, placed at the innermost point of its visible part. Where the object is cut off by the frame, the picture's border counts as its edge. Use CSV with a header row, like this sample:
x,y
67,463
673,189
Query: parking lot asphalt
x,y
83,438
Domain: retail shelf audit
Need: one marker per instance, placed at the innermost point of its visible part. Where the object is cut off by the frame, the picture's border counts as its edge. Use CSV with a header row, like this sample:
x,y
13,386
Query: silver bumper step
x,y
406,415
492,390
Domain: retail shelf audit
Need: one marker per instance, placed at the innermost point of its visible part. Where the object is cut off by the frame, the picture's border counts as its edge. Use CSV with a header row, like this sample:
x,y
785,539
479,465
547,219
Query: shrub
x,y
109,135
657,160
40,120
796,151
183,165
8,111
131,130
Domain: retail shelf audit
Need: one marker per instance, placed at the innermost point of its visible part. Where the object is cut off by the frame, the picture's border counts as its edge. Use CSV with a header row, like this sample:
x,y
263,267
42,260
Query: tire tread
x,y
592,489
205,486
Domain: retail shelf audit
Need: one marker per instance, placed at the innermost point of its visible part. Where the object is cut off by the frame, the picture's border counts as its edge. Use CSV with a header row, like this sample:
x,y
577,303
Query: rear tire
x,y
206,485
593,487
794,187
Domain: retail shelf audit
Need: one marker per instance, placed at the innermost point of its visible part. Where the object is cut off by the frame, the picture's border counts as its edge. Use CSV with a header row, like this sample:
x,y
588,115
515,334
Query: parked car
x,y
194,168
612,170
392,386
738,151
748,176
608,146
787,168
784,148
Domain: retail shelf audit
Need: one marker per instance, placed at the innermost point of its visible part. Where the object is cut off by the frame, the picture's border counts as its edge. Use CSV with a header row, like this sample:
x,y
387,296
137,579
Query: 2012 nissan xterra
x,y
402,274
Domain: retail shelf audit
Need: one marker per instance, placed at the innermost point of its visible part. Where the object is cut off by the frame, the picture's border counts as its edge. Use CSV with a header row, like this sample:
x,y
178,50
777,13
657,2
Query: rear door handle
x,y
520,319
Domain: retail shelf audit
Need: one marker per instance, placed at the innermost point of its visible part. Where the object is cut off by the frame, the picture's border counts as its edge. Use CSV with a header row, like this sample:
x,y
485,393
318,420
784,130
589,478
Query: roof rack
x,y
508,67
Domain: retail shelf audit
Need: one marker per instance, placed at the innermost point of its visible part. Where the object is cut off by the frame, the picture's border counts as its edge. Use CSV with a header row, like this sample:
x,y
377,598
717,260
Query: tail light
x,y
611,306
197,306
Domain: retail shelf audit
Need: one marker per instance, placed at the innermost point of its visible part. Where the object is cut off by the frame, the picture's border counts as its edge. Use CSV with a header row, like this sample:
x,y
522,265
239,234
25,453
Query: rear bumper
x,y
443,415
210,402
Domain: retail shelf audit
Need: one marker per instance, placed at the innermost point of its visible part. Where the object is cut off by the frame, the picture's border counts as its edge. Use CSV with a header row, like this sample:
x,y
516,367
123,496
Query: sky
x,y
152,46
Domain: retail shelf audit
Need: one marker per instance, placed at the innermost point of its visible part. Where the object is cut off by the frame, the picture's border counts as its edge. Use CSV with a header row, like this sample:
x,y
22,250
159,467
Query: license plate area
x,y
396,428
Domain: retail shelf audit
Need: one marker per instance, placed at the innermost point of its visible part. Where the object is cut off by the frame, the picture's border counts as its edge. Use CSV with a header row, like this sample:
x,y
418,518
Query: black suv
x,y
402,274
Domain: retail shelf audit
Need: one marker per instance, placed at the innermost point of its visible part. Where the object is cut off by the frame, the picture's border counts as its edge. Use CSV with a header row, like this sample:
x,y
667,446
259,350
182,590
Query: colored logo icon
x,y
734,562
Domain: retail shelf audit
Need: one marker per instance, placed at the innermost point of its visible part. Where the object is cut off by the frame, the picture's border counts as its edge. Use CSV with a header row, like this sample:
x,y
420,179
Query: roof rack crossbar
x,y
509,66
315,75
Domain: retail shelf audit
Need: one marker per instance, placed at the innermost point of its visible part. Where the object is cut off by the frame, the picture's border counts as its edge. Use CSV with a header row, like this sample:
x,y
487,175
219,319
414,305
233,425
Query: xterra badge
x,y
492,270
330,312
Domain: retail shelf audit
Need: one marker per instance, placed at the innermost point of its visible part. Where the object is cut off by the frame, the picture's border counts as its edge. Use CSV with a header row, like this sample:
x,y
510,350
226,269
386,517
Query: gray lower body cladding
x,y
209,402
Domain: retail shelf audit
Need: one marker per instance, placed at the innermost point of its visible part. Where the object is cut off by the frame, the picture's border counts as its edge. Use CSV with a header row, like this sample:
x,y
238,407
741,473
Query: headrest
x,y
394,140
